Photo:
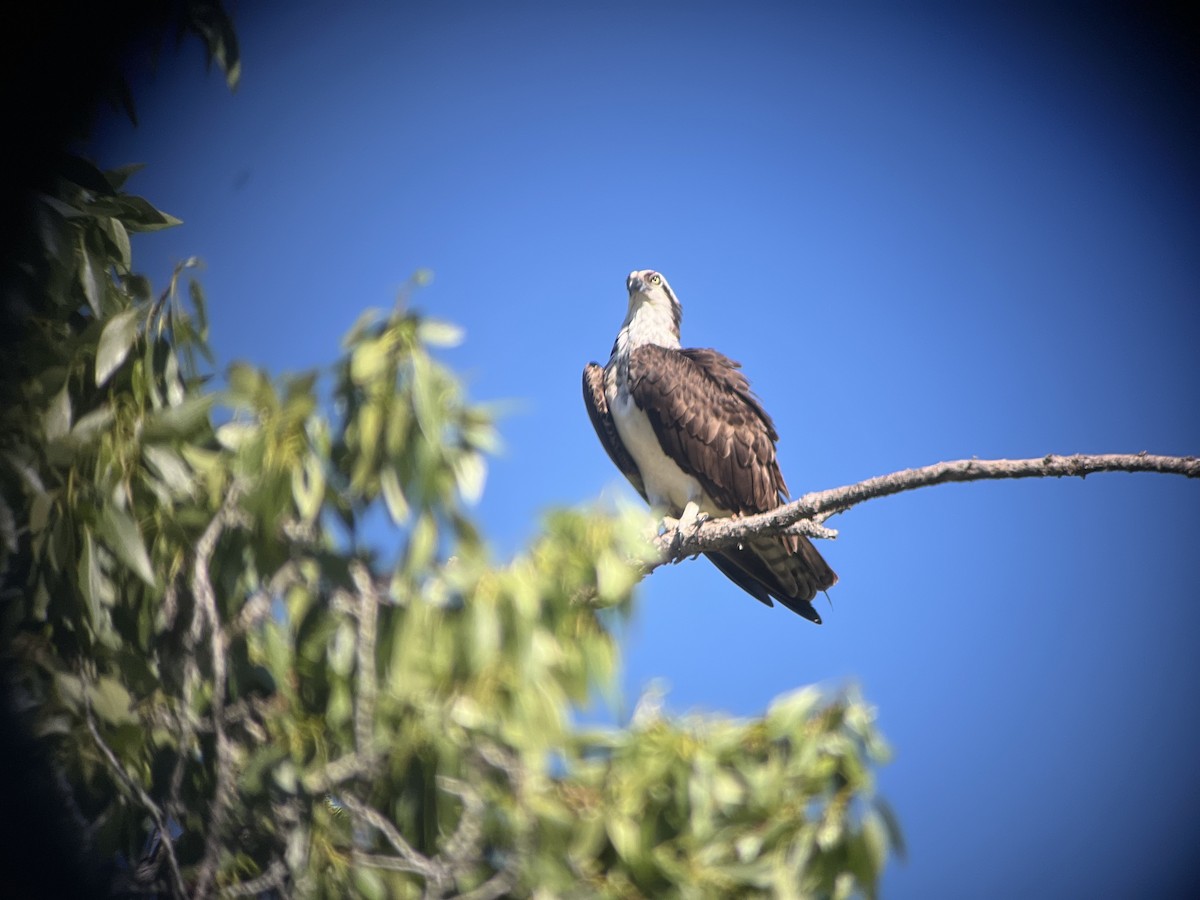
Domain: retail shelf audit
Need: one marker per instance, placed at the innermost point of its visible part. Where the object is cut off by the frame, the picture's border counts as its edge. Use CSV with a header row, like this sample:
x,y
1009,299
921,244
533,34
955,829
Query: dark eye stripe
x,y
676,309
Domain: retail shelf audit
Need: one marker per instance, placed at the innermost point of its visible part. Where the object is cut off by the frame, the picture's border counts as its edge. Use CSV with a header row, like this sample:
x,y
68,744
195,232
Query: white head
x,y
654,311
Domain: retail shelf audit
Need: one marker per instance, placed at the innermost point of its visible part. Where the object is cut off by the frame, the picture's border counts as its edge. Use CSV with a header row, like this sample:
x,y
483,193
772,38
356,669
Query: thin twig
x,y
274,877
716,534
342,769
464,843
394,863
364,704
499,885
409,858
160,821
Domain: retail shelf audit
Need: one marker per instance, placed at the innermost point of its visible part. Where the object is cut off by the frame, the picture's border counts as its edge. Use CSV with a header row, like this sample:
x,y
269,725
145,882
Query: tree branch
x,y
805,514
206,609
136,790
407,860
364,703
275,878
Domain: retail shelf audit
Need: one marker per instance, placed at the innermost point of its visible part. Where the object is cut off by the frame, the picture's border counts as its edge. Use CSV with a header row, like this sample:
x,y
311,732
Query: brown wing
x,y
597,407
707,420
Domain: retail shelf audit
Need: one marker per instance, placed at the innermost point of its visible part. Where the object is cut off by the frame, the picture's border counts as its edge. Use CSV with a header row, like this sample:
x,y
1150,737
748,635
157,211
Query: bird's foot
x,y
686,525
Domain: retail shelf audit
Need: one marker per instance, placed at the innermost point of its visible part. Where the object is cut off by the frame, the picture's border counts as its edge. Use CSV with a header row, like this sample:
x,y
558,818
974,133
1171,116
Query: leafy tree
x,y
239,694
242,694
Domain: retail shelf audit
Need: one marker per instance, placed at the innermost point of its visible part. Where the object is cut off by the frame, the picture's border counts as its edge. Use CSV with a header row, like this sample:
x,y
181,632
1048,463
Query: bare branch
x,y
409,860
499,885
394,863
463,845
206,609
364,704
275,877
160,821
342,769
804,515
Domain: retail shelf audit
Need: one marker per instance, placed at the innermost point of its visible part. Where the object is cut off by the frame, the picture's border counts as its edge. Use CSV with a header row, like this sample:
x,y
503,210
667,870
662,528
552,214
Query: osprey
x,y
684,428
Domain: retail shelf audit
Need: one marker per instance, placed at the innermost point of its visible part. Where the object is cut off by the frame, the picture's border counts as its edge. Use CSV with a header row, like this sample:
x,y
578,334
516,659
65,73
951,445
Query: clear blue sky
x,y
926,236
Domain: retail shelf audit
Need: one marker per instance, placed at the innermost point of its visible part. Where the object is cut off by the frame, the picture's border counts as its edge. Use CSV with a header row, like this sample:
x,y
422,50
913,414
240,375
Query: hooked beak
x,y
634,283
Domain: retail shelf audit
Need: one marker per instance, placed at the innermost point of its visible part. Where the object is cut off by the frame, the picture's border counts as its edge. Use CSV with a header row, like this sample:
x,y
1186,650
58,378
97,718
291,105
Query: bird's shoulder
x,y
697,374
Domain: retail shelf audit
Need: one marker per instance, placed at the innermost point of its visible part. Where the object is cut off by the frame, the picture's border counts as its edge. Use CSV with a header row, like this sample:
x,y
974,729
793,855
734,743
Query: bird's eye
x,y
656,279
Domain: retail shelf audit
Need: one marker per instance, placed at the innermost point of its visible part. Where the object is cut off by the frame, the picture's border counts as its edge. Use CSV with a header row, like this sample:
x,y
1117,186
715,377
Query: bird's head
x,y
654,310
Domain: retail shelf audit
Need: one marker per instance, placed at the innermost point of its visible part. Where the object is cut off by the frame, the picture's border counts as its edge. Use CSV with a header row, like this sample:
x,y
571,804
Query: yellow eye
x,y
656,279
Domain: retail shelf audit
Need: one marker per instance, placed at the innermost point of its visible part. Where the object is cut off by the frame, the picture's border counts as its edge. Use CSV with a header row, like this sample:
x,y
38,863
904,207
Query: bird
x,y
683,426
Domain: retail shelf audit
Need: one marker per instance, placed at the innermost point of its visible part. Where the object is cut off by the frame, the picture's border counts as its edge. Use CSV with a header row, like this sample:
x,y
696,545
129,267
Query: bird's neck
x,y
648,323
645,324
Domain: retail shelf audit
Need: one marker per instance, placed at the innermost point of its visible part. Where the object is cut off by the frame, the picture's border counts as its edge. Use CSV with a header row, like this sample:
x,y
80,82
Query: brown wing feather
x,y
606,430
707,420
745,569
775,567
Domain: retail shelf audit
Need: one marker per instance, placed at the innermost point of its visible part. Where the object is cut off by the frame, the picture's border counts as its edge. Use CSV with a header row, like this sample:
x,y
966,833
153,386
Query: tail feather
x,y
787,569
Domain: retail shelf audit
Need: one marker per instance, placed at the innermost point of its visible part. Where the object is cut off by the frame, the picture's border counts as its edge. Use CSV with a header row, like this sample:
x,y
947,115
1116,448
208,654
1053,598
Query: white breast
x,y
668,487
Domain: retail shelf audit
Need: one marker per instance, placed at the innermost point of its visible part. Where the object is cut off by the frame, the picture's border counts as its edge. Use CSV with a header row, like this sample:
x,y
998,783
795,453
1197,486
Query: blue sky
x,y
926,235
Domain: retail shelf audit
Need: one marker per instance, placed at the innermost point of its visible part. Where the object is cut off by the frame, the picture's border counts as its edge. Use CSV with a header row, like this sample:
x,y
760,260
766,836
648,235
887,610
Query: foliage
x,y
215,654
243,695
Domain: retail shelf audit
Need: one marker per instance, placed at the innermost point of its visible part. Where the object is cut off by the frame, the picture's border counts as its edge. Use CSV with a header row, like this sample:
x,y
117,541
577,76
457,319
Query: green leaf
x,y
121,533
437,333
117,177
57,419
393,496
369,884
482,436
422,543
90,278
196,292
340,707
470,474
341,649
171,379
111,701
8,530
369,361
284,775
92,424
170,467
115,343
177,422
789,712
89,577
215,28
39,510
308,486
232,435
118,238
615,577
84,174
248,386
66,210
625,836
138,215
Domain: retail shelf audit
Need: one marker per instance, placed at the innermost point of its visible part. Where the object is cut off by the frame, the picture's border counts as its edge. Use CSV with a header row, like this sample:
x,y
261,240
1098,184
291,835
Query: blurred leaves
x,y
116,340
